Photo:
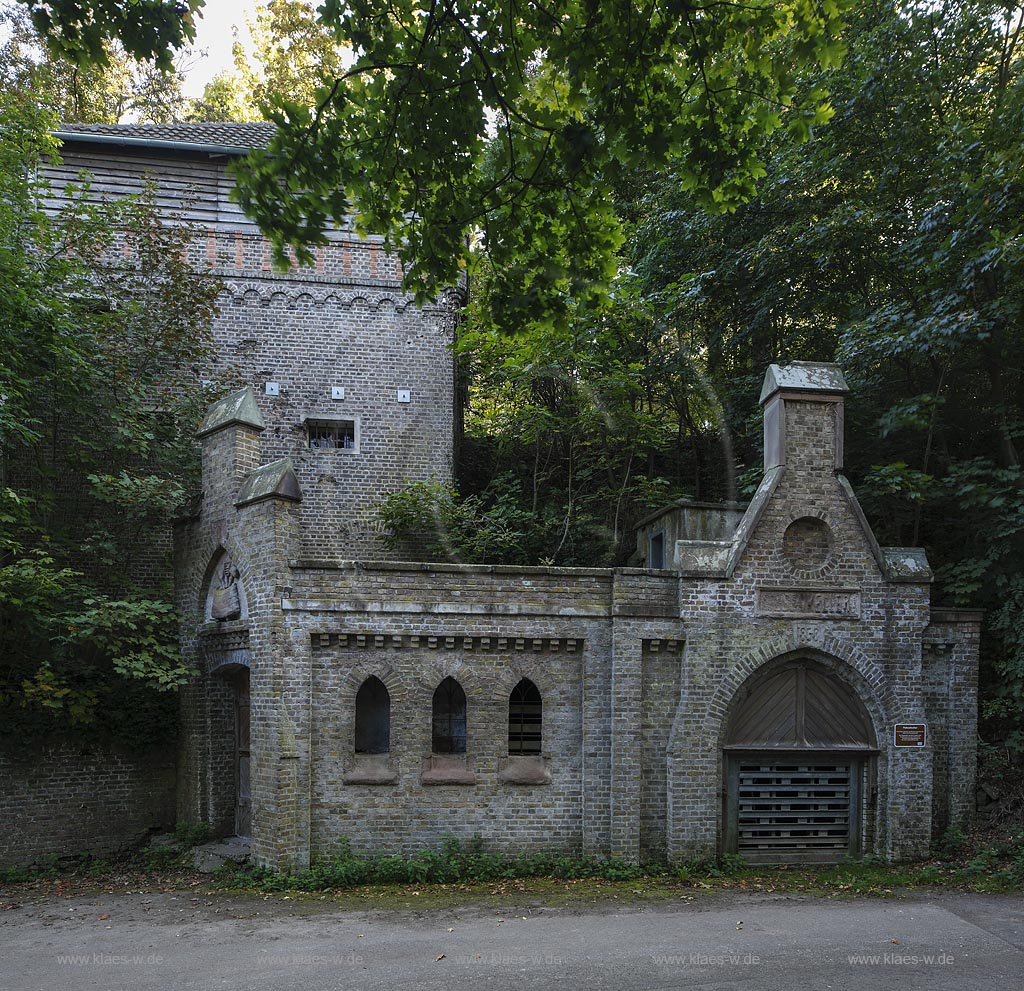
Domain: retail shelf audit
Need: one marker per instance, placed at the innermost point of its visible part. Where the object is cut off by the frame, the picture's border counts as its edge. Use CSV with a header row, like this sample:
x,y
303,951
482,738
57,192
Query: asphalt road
x,y
172,941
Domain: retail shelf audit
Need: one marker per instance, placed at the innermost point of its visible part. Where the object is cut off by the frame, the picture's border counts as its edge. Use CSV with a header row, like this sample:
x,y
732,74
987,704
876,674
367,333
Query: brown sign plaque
x,y
909,735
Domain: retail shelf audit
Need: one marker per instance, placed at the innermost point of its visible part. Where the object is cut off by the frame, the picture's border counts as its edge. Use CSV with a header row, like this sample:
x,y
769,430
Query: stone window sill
x,y
447,769
371,769
521,770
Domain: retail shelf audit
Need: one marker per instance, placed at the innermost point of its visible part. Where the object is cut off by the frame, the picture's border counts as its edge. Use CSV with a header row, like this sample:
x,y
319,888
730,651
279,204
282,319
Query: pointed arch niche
x,y
799,764
225,600
448,763
525,764
371,736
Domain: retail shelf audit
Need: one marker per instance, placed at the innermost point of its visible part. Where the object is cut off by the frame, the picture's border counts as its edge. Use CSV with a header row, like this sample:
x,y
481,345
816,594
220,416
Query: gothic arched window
x,y
449,723
525,712
373,717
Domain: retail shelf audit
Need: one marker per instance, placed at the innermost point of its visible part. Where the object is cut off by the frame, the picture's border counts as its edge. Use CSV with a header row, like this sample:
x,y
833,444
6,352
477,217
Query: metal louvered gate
x,y
801,808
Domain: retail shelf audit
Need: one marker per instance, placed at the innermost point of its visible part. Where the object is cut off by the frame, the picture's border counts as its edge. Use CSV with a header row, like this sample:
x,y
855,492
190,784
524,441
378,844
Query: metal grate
x,y
794,813
339,435
525,718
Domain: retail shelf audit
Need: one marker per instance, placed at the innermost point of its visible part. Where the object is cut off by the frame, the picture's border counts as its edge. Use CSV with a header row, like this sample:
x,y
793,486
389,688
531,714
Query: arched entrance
x,y
799,764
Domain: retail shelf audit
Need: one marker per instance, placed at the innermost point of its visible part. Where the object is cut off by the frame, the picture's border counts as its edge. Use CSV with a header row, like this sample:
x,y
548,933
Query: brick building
x,y
783,690
773,684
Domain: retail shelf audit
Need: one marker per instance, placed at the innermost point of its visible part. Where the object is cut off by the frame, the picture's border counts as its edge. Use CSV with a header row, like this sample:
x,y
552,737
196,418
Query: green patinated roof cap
x,y
804,376
238,408
274,481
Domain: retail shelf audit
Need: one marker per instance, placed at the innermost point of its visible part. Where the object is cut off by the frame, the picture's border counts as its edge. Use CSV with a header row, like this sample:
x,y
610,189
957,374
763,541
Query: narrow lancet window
x,y
449,736
373,717
525,719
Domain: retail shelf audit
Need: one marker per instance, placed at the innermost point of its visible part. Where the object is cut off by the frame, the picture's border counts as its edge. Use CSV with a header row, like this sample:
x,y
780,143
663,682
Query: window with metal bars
x,y
525,718
333,435
373,717
449,723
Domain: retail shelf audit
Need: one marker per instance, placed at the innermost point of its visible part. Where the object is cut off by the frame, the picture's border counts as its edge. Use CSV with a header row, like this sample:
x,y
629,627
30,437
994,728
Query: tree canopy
x,y
81,30
292,53
470,129
88,92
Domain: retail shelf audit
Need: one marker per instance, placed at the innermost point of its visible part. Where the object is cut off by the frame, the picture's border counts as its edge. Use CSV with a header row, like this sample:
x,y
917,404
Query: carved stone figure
x,y
227,602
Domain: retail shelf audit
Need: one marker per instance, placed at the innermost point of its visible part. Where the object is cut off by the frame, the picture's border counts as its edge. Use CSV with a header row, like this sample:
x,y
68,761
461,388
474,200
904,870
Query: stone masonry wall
x,y
68,800
488,627
950,675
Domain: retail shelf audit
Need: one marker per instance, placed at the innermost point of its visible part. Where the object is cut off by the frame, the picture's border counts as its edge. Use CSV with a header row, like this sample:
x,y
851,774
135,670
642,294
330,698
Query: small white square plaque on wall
x,y
404,396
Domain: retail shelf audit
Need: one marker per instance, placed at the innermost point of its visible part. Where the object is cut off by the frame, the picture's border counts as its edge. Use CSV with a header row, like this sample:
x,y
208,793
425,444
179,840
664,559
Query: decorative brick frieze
x,y
493,643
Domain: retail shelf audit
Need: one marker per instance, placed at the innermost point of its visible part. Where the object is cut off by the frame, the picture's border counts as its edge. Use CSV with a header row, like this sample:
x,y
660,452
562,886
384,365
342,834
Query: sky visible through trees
x,y
645,211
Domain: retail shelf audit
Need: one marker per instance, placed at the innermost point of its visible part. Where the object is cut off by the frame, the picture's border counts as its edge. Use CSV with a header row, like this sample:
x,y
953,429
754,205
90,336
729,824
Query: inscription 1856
x,y
820,603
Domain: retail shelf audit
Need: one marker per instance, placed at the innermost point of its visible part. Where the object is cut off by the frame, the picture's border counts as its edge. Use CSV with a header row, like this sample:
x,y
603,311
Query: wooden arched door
x,y
799,768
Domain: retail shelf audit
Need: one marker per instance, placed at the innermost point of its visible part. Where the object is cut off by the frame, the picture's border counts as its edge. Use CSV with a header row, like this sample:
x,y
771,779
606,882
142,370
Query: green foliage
x,y
95,92
190,834
431,523
155,859
292,53
1000,861
454,867
951,842
586,430
515,144
452,863
995,866
79,30
101,321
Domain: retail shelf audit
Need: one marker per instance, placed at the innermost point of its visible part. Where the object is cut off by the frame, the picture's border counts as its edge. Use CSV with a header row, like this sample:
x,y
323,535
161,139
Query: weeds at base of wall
x,y
453,863
174,855
457,871
996,867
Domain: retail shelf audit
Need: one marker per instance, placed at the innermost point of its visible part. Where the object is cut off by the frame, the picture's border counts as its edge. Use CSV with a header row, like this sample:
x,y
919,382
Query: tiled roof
x,y
233,137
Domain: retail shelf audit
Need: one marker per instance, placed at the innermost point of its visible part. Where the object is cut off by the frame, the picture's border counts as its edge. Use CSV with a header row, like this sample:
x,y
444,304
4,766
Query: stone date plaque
x,y
799,602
